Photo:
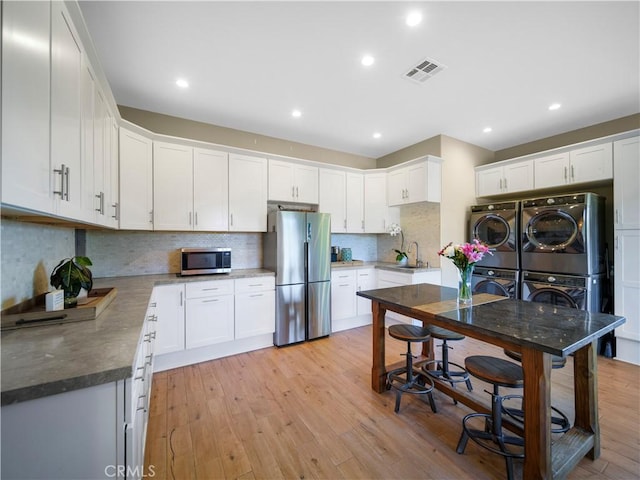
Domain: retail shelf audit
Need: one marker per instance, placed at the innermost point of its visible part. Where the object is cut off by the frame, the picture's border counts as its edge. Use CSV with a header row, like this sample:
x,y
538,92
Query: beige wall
x,y
205,132
604,129
431,146
458,194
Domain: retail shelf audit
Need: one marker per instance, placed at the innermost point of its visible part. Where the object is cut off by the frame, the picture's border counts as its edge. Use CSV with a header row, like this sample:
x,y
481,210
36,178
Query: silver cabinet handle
x,y
116,212
565,173
211,300
500,186
180,298
345,223
505,184
196,219
293,191
231,219
617,216
190,214
573,177
297,193
151,216
257,295
100,208
67,175
153,318
61,173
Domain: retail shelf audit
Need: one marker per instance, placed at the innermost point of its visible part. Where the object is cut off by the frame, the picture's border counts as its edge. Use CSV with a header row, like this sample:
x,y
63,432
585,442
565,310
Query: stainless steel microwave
x,y
204,261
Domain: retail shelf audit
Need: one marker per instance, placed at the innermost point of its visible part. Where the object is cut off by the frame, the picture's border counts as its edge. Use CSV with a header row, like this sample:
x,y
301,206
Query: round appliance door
x,y
494,288
492,230
553,296
554,230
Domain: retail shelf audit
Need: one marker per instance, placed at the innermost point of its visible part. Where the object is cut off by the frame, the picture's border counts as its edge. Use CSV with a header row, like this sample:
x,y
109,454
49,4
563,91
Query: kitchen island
x,y
537,331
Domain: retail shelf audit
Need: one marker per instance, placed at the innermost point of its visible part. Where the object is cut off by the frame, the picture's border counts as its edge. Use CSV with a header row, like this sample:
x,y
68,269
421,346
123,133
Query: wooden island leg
x,y
585,378
378,369
537,414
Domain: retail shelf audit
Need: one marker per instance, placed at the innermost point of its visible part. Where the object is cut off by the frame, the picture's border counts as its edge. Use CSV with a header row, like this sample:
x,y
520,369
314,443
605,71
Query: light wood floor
x,y
307,411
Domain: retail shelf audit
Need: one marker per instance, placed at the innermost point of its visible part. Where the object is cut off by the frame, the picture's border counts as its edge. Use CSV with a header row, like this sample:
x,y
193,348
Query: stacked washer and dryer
x,y
548,250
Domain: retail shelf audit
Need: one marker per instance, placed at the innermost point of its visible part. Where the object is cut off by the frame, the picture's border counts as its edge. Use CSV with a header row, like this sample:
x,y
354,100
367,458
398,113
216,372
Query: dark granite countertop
x,y
553,329
45,360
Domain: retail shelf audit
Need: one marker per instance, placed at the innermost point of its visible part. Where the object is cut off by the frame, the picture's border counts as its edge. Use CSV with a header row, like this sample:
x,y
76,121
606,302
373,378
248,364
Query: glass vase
x,y
464,285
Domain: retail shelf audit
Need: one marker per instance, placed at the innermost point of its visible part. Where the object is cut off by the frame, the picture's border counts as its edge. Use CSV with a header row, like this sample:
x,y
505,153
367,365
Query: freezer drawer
x,y
290,314
319,300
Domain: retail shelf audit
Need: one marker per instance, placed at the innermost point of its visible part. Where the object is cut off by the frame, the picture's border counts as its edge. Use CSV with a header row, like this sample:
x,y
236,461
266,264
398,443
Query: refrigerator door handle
x,y
308,232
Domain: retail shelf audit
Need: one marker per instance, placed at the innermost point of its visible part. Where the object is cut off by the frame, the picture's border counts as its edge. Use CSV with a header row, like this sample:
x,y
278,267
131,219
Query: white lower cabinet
x,y
387,278
343,294
93,432
627,292
204,320
366,280
209,316
255,302
170,311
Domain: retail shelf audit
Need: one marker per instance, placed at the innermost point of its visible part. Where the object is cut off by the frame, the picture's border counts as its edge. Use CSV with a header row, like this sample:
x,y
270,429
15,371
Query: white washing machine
x,y
497,225
563,234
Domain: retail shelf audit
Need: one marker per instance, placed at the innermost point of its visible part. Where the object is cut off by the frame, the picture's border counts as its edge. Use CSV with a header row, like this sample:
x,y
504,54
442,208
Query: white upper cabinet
x,y
355,202
332,197
247,193
210,190
66,113
376,212
417,182
507,178
626,176
136,181
172,187
90,156
112,207
26,169
581,165
291,182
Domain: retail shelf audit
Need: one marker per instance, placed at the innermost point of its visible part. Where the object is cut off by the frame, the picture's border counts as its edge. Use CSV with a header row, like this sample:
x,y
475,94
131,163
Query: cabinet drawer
x,y
396,278
255,284
209,289
344,276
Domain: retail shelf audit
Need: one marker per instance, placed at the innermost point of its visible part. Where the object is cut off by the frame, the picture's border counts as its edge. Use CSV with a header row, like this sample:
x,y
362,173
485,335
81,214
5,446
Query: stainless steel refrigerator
x,y
297,247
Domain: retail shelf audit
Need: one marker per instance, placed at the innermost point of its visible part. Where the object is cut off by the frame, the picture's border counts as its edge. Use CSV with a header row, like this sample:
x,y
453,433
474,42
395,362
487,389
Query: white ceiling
x,y
249,64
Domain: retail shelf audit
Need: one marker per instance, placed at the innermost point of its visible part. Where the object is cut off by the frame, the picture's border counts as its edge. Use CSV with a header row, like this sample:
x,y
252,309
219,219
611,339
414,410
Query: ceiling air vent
x,y
424,70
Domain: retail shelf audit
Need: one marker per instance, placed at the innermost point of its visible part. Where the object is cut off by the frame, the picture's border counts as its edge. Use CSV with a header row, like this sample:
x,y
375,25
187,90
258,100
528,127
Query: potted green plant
x,y
72,275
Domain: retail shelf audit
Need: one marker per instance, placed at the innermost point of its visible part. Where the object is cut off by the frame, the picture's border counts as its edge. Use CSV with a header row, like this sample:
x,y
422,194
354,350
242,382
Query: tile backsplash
x,y
126,253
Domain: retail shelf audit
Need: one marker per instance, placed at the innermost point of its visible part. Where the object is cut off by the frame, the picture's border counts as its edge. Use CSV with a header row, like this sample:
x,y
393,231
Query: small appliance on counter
x,y
335,253
205,261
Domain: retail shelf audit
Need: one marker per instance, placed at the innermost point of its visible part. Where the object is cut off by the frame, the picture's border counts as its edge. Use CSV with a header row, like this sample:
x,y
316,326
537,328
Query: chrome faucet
x,y
418,261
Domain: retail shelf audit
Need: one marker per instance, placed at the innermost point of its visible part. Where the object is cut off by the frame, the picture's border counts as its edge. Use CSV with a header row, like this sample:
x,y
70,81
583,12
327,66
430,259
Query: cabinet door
x,y
355,202
209,321
26,170
66,111
210,190
332,198
87,140
376,212
172,187
591,163
396,187
255,314
101,160
627,283
626,196
247,193
366,279
518,177
489,182
281,182
136,181
170,313
306,184
343,294
416,182
111,166
551,171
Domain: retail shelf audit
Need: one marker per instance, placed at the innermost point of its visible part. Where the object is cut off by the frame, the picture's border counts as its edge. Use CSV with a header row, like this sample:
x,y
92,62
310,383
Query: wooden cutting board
x,y
32,313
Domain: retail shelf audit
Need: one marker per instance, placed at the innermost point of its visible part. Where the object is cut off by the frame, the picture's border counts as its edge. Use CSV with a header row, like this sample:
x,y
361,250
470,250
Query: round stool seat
x,y
495,370
443,334
409,333
556,361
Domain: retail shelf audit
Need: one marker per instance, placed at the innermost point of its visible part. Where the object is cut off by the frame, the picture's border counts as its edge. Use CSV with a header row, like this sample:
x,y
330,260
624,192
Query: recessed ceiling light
x,y
296,113
377,135
414,18
367,60
182,83
487,129
554,106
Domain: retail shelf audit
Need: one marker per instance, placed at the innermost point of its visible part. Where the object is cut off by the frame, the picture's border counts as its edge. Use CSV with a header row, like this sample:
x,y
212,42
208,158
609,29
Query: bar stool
x,y
562,421
406,379
500,373
443,371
